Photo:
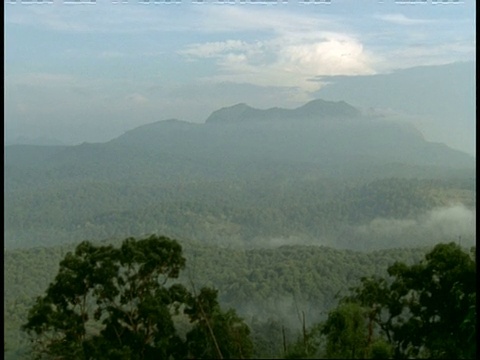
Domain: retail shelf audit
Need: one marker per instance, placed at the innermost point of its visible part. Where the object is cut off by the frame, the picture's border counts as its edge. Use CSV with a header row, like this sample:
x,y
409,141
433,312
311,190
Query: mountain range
x,y
325,137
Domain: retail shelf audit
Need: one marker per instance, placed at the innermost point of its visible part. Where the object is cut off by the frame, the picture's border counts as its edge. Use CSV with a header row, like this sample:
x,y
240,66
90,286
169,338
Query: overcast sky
x,y
89,72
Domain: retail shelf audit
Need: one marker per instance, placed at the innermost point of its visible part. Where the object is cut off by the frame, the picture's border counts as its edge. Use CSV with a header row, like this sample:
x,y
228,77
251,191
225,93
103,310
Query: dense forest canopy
x,y
355,215
280,211
321,173
404,310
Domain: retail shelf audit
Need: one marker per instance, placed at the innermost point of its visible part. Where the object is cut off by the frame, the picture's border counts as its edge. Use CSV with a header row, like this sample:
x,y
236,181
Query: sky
x,y
89,71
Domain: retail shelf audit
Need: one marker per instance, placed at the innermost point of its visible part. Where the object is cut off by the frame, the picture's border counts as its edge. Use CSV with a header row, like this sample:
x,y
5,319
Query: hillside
x,y
317,173
268,287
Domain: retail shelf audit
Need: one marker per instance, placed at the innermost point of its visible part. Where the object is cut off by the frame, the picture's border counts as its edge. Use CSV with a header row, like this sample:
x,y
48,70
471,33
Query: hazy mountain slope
x,y
30,155
320,132
332,135
247,176
439,100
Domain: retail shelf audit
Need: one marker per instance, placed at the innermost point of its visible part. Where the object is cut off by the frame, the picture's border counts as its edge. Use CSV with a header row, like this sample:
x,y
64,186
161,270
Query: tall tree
x,y
216,334
345,331
117,303
428,309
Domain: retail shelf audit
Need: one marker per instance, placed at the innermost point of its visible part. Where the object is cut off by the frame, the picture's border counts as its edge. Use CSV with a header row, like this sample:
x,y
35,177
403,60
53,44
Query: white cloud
x,y
273,52
289,48
215,49
401,19
427,54
332,54
105,17
278,20
287,60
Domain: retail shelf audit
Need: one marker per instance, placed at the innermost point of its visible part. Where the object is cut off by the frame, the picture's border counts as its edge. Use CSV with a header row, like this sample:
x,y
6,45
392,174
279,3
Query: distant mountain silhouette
x,y
319,132
314,109
332,138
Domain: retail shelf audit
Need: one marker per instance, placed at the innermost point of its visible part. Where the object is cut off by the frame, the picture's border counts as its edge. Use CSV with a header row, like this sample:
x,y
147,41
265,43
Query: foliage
x,y
308,345
345,330
267,287
317,210
117,303
216,334
425,310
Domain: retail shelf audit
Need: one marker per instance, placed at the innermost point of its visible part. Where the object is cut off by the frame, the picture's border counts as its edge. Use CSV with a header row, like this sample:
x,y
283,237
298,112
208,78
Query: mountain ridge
x,y
315,108
331,138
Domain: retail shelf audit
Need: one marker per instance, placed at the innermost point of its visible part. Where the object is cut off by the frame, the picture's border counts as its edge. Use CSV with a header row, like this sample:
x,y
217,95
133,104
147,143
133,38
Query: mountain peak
x,y
232,113
319,107
314,109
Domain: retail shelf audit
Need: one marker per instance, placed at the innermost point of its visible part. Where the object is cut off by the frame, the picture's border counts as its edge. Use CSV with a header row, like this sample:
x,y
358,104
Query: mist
x,y
438,100
455,223
442,224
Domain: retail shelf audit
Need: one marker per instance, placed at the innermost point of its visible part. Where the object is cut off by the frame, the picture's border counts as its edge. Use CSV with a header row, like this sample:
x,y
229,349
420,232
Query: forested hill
x,y
320,174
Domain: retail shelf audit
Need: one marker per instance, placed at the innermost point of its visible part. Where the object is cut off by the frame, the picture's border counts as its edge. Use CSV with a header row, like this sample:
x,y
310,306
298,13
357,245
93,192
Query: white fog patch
x,y
451,221
284,308
382,226
455,223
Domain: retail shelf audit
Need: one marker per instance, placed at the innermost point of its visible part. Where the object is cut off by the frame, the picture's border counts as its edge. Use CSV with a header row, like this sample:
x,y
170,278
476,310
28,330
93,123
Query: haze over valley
x,y
185,173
